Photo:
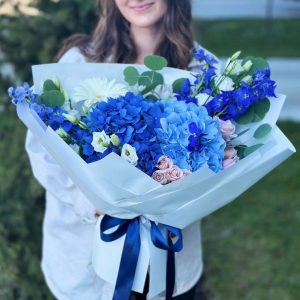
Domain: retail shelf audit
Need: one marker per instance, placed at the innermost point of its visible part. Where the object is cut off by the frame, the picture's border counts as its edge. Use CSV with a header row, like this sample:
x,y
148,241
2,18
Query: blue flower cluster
x,y
21,93
232,105
133,119
182,131
203,80
190,137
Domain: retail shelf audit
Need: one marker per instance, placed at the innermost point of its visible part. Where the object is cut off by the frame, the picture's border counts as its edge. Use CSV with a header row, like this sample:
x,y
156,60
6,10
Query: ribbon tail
x,y
170,275
128,262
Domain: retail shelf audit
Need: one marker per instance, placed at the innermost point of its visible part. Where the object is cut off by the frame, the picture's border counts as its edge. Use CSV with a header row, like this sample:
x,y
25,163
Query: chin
x,y
144,21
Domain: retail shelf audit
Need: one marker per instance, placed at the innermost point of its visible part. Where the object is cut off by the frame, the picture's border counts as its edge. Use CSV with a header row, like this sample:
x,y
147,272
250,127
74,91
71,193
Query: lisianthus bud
x,y
115,140
247,79
85,110
236,55
61,132
71,118
247,65
82,125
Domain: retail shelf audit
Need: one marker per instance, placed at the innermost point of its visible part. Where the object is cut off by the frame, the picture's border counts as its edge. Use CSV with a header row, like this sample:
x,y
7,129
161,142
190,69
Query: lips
x,y
142,7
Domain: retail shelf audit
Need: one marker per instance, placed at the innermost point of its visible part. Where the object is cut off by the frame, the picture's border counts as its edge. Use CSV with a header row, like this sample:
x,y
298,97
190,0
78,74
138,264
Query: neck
x,y
146,41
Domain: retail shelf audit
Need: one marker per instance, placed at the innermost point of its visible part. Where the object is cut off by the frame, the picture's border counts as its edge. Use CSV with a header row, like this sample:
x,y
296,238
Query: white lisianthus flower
x,y
100,141
203,98
94,90
224,83
234,67
129,153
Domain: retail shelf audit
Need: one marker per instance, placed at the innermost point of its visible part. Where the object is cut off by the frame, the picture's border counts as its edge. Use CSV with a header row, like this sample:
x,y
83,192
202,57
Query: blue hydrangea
x,y
133,119
21,93
176,134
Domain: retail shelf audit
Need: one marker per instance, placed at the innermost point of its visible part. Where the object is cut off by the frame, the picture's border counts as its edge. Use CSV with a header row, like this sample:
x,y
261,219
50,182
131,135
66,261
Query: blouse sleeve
x,y
50,175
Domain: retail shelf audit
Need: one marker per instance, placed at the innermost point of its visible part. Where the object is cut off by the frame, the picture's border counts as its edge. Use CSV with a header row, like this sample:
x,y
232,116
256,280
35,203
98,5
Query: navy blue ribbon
x,y
131,250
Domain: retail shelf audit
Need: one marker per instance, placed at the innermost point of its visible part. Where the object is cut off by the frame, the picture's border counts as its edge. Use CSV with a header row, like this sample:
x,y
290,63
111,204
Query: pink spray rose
x,y
227,129
227,163
174,173
230,152
186,173
164,163
160,176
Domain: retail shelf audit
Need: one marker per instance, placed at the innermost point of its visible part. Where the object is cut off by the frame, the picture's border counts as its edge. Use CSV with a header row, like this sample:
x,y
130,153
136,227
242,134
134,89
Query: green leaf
x,y
243,132
256,112
152,97
149,78
252,149
262,108
131,75
155,62
39,99
247,117
178,84
262,131
53,98
258,64
49,86
241,152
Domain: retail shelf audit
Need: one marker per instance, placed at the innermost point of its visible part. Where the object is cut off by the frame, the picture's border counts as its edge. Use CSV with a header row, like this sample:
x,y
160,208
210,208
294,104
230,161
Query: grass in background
x,y
252,246
253,37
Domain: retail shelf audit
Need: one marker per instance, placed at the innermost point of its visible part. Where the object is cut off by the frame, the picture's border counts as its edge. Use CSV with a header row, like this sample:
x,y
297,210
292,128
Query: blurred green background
x,y
251,247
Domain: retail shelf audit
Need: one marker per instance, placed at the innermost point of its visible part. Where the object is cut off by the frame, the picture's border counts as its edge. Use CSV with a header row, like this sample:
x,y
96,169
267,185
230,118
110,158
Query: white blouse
x,y
69,224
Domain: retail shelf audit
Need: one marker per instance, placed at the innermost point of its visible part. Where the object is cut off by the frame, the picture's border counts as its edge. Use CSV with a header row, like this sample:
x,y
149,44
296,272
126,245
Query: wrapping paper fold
x,y
119,189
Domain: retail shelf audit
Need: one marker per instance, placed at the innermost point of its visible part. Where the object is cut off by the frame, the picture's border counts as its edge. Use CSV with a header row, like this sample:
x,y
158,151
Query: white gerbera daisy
x,y
94,90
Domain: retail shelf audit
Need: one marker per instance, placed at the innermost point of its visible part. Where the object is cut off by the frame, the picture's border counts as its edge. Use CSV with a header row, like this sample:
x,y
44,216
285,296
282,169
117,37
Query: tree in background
x,y
24,41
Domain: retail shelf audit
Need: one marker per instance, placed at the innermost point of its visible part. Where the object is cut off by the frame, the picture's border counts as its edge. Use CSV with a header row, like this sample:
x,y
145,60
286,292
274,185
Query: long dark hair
x,y
111,37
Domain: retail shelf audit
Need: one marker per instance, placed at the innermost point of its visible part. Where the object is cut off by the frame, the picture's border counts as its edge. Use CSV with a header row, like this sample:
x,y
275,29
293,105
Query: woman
x,y
128,31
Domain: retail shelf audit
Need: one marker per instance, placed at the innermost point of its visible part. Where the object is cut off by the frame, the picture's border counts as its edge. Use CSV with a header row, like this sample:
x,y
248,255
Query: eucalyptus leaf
x,y
131,75
155,62
243,132
262,131
241,152
49,85
53,98
247,117
262,108
252,149
178,84
256,112
149,78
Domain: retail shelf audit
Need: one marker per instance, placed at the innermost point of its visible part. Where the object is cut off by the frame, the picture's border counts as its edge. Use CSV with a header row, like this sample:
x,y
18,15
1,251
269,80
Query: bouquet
x,y
155,149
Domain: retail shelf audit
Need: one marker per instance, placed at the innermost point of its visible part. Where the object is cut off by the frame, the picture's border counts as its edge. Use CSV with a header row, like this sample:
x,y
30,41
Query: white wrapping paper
x,y
117,188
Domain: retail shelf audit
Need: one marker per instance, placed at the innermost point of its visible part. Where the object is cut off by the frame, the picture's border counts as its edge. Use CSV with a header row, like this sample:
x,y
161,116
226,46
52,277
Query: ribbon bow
x,y
131,250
